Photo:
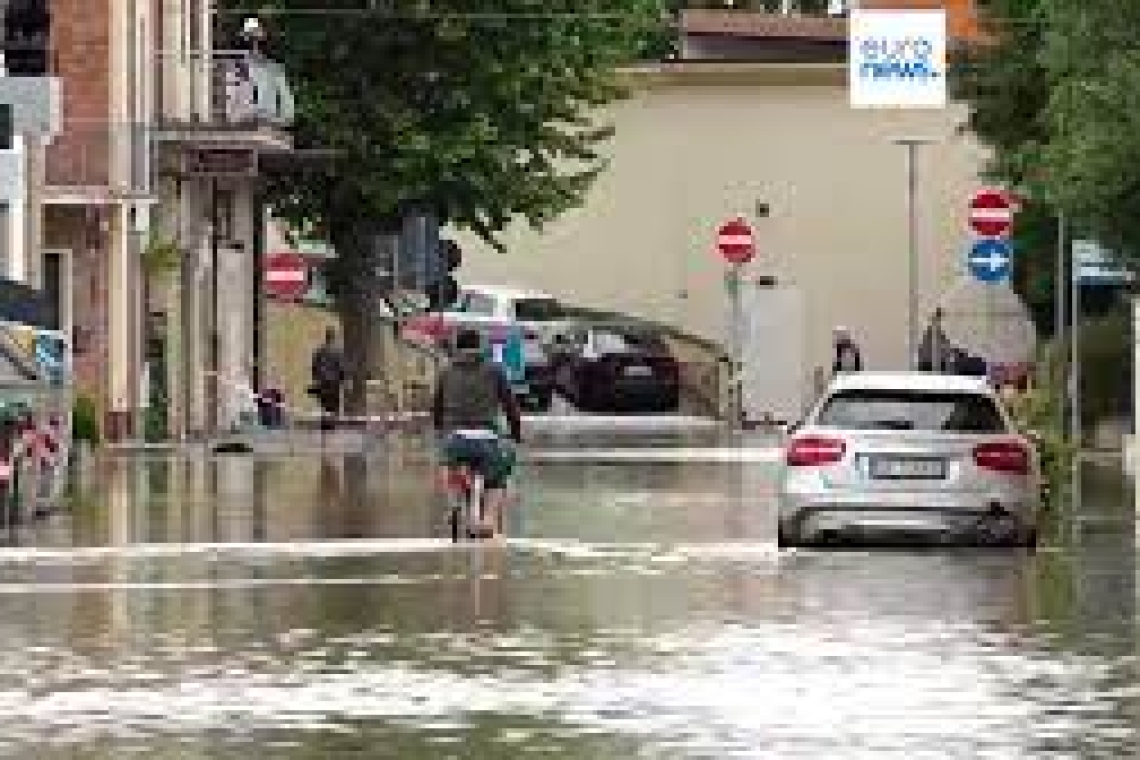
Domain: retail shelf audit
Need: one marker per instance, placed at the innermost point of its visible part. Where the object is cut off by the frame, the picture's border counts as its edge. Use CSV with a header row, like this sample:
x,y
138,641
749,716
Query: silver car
x,y
905,455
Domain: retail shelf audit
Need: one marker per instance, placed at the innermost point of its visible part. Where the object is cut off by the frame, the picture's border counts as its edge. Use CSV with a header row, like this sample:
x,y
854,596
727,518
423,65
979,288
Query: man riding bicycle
x,y
472,396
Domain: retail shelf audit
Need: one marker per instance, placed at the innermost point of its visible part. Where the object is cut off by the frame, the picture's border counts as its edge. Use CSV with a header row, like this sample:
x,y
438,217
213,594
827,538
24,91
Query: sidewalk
x,y
292,441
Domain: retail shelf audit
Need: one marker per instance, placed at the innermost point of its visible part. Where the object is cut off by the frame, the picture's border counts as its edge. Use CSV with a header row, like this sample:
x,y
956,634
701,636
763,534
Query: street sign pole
x,y
912,145
736,317
1075,359
912,247
737,245
1060,318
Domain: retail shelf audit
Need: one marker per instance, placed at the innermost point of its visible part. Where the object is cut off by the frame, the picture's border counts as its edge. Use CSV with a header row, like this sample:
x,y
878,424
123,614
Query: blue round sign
x,y
990,260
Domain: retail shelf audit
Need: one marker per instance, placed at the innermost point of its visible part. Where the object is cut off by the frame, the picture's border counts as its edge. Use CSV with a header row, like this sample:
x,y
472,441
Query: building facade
x,y
150,194
758,125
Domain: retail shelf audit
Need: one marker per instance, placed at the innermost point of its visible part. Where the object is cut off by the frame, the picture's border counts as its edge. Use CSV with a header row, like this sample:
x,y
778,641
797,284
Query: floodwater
x,y
306,607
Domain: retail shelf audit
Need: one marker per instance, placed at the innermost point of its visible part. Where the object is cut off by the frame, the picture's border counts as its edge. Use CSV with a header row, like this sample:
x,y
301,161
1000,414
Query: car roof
x,y
930,382
509,293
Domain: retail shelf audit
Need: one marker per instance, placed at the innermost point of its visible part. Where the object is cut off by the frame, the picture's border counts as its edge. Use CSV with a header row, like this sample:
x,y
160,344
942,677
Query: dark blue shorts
x,y
491,457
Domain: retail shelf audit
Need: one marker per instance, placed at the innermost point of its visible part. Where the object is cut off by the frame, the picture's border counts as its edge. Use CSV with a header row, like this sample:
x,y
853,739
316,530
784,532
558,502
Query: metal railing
x,y
229,89
35,447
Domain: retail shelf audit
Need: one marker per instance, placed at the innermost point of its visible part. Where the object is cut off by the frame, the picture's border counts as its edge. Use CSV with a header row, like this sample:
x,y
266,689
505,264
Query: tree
x,y
1053,94
1006,82
479,111
1056,96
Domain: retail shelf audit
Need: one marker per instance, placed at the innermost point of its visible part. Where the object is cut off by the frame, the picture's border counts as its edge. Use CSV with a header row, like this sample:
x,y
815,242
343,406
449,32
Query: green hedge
x,y
85,421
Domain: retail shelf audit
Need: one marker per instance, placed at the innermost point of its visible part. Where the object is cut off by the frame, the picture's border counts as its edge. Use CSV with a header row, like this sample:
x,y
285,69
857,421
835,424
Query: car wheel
x,y
542,400
787,537
587,399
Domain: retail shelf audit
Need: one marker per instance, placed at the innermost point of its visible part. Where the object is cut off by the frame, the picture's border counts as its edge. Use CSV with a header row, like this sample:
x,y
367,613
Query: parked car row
x,y
596,367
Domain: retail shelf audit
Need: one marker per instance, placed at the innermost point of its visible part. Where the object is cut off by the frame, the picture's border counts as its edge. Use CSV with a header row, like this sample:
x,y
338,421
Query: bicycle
x,y
465,489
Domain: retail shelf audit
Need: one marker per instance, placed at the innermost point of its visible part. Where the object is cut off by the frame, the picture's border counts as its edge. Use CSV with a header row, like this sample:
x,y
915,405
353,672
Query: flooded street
x,y
307,607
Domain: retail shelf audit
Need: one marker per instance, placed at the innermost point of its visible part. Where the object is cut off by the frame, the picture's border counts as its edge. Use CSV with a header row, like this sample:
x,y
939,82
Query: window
x,y
478,303
610,342
538,310
912,410
27,24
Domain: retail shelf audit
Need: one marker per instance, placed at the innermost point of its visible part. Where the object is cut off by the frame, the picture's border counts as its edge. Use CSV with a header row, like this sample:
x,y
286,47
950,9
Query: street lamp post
x,y
912,144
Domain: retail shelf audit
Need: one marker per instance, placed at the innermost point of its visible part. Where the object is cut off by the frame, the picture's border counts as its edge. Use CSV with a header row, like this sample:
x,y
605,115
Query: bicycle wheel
x,y
474,512
453,520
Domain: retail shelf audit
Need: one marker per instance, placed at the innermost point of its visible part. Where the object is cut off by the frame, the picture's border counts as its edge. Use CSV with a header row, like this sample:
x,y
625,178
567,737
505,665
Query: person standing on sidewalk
x,y
848,357
328,379
935,353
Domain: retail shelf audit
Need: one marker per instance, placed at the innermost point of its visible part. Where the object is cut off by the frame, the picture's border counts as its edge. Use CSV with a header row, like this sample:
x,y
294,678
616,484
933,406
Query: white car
x,y
904,455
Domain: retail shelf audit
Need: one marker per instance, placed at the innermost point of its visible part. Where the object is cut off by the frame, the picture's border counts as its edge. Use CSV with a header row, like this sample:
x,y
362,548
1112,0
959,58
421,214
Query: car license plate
x,y
897,468
638,370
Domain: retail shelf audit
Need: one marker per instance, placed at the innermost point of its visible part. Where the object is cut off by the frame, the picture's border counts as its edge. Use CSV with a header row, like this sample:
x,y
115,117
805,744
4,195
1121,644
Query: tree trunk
x,y
359,328
359,291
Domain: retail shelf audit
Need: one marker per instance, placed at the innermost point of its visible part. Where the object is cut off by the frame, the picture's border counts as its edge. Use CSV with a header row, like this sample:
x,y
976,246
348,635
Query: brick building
x,y
149,220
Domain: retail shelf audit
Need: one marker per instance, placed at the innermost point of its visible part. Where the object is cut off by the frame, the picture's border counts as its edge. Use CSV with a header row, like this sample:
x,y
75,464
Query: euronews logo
x,y
897,59
905,59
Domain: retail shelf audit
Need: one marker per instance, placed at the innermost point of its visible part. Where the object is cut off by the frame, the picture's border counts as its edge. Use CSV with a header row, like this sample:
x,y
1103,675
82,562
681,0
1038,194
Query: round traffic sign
x,y
991,213
735,242
990,260
286,275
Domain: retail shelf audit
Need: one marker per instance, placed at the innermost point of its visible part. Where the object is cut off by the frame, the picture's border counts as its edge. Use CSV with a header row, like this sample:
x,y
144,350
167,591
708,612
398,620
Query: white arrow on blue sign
x,y
990,260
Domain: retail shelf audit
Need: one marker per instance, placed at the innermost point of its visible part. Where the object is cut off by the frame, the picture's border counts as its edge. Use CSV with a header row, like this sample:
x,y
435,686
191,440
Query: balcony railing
x,y
223,90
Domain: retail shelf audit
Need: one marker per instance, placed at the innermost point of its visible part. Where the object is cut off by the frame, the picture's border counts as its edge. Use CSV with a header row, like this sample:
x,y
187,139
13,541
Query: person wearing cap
x,y
847,356
473,399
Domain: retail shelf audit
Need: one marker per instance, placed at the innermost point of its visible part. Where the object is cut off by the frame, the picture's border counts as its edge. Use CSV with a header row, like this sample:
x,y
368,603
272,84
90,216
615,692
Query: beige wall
x,y
693,149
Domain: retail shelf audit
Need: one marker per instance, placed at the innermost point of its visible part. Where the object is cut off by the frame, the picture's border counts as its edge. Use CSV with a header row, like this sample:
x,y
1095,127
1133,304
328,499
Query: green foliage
x,y
480,111
85,424
161,255
1040,413
1057,98
1106,387
1106,357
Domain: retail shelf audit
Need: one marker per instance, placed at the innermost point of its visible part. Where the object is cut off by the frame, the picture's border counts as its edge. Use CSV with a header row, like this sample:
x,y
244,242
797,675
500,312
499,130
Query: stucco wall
x,y
691,151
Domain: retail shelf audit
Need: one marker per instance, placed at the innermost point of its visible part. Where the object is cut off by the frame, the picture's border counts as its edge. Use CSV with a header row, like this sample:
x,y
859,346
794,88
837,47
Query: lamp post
x,y
912,145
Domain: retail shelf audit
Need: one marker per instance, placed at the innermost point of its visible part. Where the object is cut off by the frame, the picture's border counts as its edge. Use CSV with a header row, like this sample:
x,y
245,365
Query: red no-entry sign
x,y
286,275
736,242
991,213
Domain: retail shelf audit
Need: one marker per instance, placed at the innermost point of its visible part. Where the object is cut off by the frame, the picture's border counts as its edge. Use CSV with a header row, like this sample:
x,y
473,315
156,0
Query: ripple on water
x,y
875,688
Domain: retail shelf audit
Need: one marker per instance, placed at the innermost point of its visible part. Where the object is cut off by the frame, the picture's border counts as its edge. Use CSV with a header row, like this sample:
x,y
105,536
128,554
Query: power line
x,y
383,13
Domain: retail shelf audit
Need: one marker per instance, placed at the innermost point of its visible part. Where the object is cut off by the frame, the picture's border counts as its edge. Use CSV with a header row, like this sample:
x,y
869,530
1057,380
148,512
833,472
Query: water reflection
x,y
640,611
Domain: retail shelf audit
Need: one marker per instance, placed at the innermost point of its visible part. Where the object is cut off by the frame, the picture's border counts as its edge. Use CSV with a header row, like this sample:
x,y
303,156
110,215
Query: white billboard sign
x,y
897,59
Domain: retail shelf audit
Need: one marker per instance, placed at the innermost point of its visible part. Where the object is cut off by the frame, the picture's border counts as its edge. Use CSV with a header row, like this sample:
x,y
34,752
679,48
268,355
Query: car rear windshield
x,y
912,410
627,342
538,310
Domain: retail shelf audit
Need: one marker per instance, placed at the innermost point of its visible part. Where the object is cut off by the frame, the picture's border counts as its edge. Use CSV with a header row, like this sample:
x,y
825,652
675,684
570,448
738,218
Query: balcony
x,y
225,100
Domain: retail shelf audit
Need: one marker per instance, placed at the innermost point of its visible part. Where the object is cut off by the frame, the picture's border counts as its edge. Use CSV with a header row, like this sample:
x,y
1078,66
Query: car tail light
x,y
814,450
1003,456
